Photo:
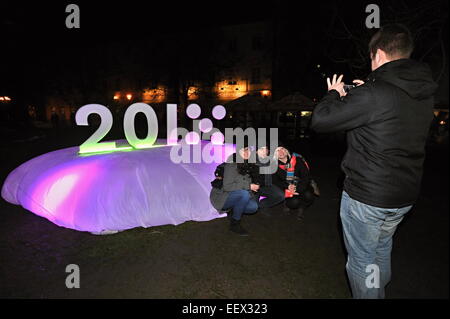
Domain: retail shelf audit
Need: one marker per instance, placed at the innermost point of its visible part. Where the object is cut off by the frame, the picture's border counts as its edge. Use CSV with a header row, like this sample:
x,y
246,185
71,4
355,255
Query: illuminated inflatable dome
x,y
114,191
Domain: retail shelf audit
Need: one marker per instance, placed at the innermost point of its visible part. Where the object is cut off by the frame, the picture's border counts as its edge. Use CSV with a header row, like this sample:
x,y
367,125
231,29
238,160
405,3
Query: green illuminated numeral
x,y
92,143
152,124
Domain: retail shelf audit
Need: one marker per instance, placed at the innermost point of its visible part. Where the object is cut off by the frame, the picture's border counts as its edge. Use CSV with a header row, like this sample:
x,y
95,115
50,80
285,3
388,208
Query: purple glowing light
x,y
58,192
115,191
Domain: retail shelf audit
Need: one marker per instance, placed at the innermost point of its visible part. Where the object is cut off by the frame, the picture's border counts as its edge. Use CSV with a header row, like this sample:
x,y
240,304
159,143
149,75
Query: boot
x,y
300,213
286,209
235,227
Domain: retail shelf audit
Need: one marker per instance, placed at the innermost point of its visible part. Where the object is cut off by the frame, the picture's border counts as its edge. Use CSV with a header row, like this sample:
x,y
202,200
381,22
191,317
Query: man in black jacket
x,y
387,121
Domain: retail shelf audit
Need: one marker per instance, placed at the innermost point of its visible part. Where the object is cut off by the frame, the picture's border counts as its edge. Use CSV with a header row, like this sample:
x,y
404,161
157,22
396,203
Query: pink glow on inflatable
x,y
115,191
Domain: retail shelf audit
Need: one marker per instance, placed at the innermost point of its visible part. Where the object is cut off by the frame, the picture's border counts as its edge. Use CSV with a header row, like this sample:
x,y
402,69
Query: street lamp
x,y
265,93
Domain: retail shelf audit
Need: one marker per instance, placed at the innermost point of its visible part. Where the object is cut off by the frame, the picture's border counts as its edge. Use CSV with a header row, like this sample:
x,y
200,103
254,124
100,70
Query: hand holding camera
x,y
336,84
254,187
293,189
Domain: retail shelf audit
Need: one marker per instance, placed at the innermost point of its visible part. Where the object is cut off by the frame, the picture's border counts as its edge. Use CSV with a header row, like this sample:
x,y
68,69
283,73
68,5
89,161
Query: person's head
x,y
392,42
245,153
281,153
262,152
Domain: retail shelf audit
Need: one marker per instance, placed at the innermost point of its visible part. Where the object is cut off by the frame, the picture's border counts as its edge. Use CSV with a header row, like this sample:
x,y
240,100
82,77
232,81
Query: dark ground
x,y
283,258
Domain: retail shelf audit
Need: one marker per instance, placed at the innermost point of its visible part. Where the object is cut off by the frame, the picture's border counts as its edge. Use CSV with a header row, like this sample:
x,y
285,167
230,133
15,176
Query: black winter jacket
x,y
387,120
301,171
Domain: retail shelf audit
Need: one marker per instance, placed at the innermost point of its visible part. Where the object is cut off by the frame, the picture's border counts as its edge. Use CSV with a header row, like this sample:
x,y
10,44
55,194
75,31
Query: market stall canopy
x,y
291,103
247,103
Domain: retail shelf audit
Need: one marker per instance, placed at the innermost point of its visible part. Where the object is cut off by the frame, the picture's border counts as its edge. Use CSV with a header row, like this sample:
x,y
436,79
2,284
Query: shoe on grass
x,y
235,227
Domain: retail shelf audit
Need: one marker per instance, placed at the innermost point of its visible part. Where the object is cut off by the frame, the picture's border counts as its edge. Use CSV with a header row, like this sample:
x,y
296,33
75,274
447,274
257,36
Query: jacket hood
x,y
413,77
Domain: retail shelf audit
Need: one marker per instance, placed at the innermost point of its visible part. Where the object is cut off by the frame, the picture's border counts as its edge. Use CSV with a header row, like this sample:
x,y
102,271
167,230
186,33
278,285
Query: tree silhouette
x,y
347,37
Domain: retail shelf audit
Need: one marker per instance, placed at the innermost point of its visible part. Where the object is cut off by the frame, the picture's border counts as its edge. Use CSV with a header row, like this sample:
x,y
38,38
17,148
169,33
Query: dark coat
x,y
259,178
232,181
387,121
301,171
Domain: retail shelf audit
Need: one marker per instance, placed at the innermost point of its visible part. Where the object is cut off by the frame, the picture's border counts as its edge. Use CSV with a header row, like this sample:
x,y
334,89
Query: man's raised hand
x,y
336,84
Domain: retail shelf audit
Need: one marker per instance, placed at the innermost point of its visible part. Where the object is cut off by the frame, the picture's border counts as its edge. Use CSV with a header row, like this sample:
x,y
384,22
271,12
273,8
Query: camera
x,y
293,180
348,87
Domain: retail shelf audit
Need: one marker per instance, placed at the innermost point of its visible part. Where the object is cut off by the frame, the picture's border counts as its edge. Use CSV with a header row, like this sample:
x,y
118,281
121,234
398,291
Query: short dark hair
x,y
394,39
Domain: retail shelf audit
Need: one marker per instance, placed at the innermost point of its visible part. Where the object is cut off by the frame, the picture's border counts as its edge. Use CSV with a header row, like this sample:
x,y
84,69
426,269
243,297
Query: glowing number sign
x,y
92,145
128,125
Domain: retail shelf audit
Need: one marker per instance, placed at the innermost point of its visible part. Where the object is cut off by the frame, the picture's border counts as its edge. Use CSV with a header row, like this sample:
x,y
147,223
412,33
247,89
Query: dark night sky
x,y
42,24
38,39
35,39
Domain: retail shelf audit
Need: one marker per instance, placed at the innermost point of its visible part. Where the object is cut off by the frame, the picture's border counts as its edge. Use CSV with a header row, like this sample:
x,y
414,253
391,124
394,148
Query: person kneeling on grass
x,y
294,178
237,192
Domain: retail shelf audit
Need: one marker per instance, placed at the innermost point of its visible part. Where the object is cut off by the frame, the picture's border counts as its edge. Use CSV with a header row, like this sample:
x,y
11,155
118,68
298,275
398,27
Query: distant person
x,y
54,119
294,179
237,194
387,121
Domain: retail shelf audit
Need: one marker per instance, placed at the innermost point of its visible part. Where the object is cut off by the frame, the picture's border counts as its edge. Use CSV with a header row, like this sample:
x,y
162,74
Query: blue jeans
x,y
241,202
368,233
